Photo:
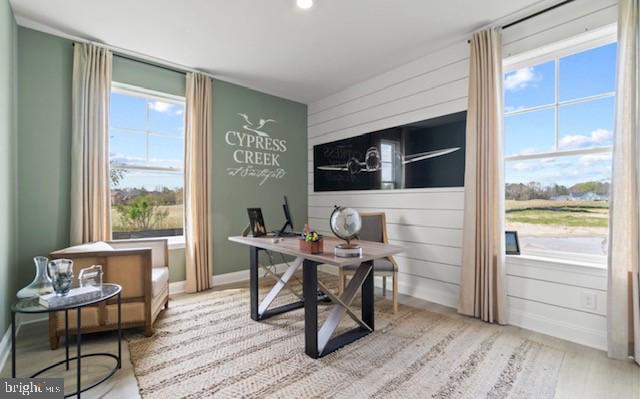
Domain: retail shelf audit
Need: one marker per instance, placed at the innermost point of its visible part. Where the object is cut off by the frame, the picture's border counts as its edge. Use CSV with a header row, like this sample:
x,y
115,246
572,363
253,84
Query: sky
x,y
581,125
149,133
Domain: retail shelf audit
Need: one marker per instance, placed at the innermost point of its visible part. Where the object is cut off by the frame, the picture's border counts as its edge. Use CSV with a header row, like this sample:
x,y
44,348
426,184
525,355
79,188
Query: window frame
x,y
147,94
555,52
390,163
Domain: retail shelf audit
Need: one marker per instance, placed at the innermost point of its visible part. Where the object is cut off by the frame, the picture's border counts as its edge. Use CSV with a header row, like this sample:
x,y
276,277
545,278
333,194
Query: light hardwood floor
x,y
586,373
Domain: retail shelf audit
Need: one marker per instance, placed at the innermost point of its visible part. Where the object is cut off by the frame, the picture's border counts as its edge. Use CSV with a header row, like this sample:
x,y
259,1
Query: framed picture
x,y
256,221
512,245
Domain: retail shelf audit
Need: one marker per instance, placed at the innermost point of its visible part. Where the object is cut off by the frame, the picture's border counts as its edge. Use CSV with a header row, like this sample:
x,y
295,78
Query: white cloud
x,y
597,137
593,159
160,106
520,79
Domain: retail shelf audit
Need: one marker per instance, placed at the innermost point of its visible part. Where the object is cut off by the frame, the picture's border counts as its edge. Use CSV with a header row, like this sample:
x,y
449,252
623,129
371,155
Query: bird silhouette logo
x,y
256,128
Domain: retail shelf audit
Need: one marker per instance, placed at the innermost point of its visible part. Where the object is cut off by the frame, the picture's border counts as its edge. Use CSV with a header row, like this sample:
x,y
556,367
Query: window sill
x,y
577,266
176,242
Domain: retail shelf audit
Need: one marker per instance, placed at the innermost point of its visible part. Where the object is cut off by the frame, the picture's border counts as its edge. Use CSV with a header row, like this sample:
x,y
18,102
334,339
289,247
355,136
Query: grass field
x,y
173,221
559,213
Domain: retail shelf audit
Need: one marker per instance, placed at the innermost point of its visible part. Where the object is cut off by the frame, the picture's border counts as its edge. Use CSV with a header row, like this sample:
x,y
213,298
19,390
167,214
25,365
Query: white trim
x,y
559,329
178,287
593,269
175,242
582,260
395,191
5,347
591,39
22,319
559,153
147,168
142,92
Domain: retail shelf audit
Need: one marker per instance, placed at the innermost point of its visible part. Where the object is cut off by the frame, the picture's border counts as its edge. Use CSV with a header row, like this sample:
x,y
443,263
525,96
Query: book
x,y
75,295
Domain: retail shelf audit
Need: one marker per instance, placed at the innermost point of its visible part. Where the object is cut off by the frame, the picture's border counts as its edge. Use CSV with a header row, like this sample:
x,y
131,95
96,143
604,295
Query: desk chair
x,y
374,228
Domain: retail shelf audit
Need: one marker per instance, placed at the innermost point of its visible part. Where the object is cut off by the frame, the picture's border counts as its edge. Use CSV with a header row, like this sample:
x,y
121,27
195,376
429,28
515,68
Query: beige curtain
x,y
197,182
90,197
482,288
623,309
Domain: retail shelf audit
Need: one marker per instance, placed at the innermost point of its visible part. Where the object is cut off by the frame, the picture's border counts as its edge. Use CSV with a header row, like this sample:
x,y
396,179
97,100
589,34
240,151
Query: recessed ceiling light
x,y
304,4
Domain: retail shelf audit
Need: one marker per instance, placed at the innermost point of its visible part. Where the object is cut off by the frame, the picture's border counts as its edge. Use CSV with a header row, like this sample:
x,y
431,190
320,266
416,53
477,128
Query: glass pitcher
x,y
41,284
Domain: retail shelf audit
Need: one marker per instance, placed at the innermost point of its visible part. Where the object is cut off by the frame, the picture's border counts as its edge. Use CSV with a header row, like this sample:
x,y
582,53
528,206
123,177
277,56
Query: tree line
x,y
535,190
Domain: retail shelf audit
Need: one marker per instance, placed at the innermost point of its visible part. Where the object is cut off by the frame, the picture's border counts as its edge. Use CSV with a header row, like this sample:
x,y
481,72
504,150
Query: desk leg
x,y
119,330
13,344
368,299
253,282
310,294
79,344
66,337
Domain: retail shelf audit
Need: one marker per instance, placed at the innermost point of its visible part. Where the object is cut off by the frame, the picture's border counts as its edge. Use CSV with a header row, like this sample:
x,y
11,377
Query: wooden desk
x,y
318,342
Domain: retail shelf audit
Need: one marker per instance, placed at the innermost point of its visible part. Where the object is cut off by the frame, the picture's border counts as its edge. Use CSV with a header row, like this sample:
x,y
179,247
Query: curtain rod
x,y
535,14
142,59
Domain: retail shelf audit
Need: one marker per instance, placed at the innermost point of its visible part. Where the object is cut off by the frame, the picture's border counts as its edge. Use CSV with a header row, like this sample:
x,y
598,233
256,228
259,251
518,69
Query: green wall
x,y
44,109
8,129
148,76
232,195
44,140
177,261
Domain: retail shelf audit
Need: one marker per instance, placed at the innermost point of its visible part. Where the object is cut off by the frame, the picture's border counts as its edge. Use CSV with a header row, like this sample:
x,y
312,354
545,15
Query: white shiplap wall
x,y
428,222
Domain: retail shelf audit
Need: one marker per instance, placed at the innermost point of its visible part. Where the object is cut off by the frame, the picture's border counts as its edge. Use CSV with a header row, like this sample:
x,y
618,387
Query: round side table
x,y
33,306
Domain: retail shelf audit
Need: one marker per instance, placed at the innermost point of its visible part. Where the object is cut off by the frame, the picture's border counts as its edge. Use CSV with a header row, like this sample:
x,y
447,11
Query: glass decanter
x,y
41,284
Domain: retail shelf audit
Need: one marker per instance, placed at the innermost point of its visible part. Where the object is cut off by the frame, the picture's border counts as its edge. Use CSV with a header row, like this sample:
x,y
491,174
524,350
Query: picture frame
x,y
512,244
258,229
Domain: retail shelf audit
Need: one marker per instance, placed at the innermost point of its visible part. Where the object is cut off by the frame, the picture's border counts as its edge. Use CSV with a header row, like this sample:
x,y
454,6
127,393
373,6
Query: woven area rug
x,y
206,345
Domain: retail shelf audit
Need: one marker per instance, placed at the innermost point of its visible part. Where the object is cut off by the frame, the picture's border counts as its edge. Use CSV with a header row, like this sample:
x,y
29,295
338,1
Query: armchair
x,y
139,266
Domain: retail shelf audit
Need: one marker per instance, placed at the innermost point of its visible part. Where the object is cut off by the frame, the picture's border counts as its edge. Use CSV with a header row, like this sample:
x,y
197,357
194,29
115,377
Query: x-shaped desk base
x,y
318,342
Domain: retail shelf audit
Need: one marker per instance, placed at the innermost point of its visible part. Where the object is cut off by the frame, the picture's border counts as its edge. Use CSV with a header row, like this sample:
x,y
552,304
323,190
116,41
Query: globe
x,y
345,223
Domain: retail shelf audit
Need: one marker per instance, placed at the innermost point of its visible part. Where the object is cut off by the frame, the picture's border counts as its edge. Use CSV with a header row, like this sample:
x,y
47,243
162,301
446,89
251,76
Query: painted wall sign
x,y
429,153
255,153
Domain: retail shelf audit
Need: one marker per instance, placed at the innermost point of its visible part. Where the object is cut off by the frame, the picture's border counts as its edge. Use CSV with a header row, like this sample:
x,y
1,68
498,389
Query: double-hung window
x,y
558,124
146,156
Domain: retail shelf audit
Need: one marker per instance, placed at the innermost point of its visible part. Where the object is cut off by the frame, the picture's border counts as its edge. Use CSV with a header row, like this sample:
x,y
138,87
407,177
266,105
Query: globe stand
x,y
348,250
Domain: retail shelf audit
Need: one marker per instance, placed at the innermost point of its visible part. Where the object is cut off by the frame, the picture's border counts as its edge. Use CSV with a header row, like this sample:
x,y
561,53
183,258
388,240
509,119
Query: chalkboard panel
x,y
423,154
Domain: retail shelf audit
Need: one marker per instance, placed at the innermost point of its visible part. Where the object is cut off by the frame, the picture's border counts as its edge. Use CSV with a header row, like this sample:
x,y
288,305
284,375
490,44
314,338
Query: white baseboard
x,y
5,347
22,319
559,329
217,280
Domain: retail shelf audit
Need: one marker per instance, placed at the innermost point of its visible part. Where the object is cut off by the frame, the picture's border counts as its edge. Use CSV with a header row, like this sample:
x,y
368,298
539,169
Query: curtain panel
x,y
482,283
623,296
197,182
90,195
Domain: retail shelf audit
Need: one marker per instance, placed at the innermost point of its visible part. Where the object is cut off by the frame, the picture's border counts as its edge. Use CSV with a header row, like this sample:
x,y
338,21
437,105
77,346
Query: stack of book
x,y
75,295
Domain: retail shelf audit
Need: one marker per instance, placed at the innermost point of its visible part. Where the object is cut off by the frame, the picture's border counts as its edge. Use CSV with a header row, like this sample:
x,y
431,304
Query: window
x,y
146,157
558,127
387,151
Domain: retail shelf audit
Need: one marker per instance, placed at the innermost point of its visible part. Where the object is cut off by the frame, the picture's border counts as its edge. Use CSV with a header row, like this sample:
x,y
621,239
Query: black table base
x,y
318,343
79,356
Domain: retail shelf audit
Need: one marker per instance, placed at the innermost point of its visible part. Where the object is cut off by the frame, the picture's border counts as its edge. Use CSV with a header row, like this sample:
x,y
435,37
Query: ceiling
x,y
271,45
